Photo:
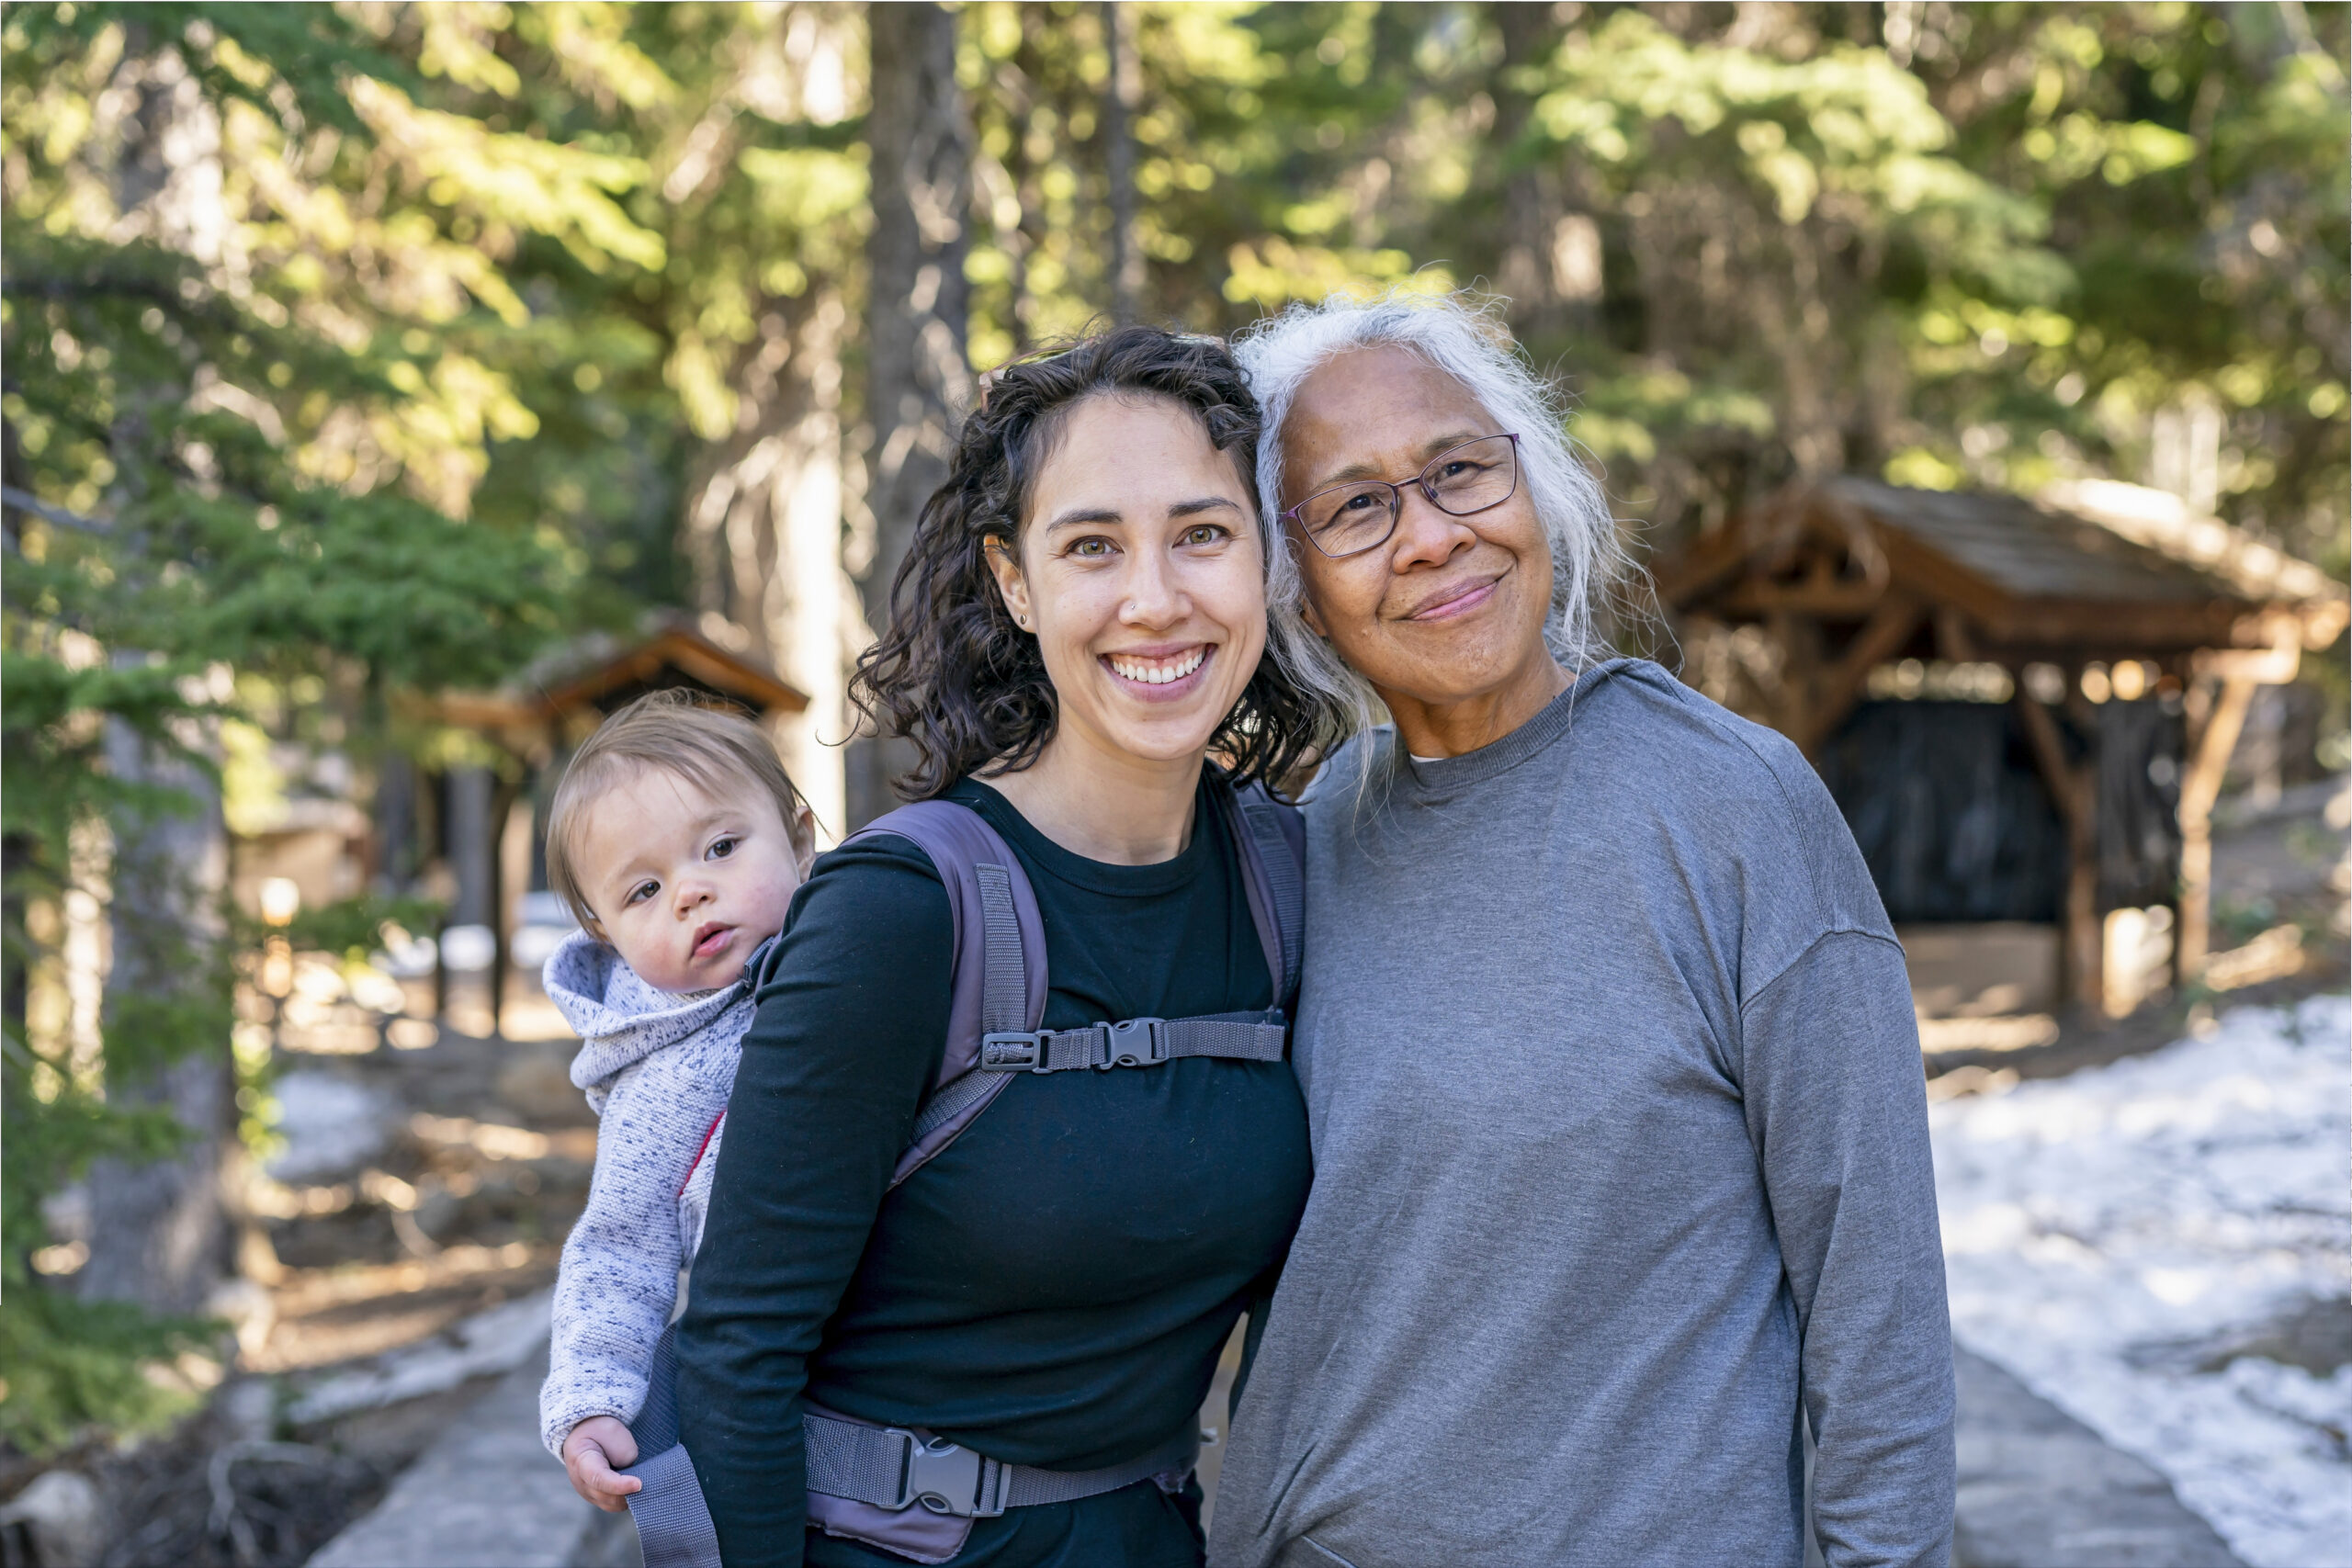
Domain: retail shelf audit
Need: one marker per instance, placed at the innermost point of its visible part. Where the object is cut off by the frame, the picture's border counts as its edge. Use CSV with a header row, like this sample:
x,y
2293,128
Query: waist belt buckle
x,y
947,1478
1137,1042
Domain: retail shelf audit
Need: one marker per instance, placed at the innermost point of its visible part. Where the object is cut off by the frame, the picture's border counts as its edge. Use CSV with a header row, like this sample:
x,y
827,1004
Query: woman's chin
x,y
1176,732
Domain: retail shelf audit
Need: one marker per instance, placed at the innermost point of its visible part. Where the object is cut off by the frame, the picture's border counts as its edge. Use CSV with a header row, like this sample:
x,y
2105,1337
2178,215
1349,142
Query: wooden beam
x,y
1838,687
1836,600
2216,719
2272,666
1934,576
1954,640
1692,574
1792,704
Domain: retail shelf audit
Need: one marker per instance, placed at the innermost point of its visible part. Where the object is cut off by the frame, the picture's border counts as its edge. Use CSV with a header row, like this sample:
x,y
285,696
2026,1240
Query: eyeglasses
x,y
1349,519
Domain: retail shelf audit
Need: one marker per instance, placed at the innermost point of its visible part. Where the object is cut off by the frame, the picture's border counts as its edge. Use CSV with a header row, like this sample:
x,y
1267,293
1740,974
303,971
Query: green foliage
x,y
69,1361
244,427
354,928
1990,247
349,352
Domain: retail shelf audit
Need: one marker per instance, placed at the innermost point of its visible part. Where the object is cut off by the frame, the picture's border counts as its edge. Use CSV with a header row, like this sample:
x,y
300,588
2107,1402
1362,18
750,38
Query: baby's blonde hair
x,y
712,746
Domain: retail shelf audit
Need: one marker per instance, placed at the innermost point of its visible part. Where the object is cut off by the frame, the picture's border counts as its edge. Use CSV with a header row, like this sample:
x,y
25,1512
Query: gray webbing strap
x,y
948,1103
1004,990
673,1525
1134,1043
1004,998
890,1467
1029,1487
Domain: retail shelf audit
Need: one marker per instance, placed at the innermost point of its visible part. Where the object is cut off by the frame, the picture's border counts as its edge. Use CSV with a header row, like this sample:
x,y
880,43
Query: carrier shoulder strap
x,y
998,985
1272,843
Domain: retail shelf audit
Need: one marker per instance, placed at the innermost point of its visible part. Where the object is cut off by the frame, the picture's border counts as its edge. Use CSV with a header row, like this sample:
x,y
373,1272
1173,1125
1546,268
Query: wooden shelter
x,y
1845,576
548,710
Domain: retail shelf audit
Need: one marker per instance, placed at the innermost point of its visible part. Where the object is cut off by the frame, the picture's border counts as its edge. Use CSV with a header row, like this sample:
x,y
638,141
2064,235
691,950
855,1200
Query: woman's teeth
x,y
1159,672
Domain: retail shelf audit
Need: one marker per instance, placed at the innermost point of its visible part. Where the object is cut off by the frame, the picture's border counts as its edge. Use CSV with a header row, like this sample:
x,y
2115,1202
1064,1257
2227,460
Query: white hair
x,y
1466,339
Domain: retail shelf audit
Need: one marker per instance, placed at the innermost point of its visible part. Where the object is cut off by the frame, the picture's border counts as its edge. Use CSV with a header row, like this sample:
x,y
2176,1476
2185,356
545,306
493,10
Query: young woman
x,y
1081,626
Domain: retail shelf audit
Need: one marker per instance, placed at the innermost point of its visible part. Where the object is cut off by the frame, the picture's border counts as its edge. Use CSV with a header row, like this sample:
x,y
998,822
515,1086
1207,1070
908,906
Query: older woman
x,y
1620,1157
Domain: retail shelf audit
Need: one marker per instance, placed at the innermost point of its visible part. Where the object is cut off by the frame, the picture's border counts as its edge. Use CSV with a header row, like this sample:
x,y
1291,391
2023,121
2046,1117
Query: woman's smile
x,y
1161,675
1456,600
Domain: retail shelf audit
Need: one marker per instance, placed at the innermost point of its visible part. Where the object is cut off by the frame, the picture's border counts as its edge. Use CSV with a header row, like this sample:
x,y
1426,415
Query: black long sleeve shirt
x,y
1054,1288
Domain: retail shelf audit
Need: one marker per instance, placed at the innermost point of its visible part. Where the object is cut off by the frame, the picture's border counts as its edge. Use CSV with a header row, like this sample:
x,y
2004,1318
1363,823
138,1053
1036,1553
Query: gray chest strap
x,y
889,1467
1134,1043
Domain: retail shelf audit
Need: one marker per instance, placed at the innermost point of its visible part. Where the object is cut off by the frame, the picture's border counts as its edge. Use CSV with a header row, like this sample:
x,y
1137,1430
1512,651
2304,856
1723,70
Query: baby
x,y
677,841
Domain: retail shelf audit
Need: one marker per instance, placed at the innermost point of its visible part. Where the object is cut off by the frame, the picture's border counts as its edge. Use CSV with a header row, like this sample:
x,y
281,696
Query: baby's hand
x,y
596,1448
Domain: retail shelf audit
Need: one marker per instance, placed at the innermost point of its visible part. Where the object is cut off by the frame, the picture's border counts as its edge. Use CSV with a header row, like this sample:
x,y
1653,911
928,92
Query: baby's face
x,y
685,884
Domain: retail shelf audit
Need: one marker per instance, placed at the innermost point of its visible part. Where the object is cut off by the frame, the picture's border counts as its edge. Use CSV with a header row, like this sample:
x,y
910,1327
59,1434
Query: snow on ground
x,y
2112,1236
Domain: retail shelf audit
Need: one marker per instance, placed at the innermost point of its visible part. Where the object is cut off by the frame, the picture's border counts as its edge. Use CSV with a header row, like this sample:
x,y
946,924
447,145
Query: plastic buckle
x,y
1137,1042
1014,1052
946,1478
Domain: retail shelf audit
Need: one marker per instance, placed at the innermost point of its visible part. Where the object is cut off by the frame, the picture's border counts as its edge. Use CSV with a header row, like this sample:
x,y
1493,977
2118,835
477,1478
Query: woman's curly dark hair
x,y
953,673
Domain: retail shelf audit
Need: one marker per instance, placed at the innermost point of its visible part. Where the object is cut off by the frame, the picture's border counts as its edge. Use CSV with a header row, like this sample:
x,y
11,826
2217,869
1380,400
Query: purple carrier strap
x,y
1272,840
998,986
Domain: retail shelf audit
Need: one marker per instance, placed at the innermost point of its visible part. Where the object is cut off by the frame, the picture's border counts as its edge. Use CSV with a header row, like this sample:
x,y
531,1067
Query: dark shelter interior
x,y
1950,809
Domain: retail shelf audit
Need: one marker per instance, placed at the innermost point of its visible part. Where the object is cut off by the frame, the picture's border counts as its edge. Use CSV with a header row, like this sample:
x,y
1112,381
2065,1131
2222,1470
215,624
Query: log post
x,y
2200,785
502,812
2236,672
2075,789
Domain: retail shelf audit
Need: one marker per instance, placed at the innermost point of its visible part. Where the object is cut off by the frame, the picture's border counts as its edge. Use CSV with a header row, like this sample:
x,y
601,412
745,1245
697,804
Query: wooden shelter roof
x,y
599,672
2097,570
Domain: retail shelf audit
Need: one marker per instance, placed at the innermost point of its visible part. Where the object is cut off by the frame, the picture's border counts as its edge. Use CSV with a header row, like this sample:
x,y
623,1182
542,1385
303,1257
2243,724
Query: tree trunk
x,y
918,380
157,1234
763,530
1121,95
1530,230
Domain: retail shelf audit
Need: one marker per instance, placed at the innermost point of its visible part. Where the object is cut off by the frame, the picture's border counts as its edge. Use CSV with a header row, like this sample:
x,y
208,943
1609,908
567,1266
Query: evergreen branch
x,y
22,501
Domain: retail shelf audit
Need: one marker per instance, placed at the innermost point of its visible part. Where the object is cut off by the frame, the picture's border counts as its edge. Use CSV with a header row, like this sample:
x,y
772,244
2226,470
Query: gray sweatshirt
x,y
1621,1160
658,1066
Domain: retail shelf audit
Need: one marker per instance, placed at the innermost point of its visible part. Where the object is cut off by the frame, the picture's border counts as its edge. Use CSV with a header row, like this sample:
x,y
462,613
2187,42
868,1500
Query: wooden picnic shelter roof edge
x,y
671,642
2036,580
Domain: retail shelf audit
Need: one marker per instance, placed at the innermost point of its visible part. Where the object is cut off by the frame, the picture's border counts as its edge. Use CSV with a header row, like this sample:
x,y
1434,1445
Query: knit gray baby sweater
x,y
658,1066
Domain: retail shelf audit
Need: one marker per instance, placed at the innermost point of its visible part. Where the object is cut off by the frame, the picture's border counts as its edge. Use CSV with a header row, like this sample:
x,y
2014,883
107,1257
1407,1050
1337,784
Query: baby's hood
x,y
621,1019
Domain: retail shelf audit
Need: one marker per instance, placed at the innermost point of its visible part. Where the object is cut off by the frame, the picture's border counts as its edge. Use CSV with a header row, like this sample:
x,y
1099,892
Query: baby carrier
x,y
902,1489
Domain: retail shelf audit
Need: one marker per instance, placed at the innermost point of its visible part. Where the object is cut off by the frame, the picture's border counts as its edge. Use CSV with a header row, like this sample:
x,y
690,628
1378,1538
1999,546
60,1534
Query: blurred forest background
x,y
364,351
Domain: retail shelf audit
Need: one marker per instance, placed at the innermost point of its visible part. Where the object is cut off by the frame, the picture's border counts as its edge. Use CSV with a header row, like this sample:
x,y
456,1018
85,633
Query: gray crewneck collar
x,y
1428,782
